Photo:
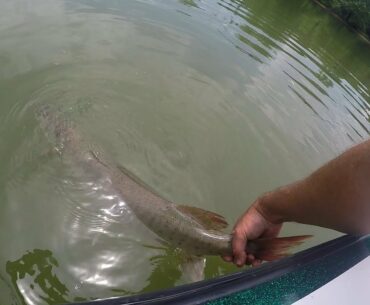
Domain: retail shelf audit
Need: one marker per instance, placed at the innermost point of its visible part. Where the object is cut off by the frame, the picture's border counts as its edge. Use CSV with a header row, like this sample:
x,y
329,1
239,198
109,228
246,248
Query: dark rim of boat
x,y
355,248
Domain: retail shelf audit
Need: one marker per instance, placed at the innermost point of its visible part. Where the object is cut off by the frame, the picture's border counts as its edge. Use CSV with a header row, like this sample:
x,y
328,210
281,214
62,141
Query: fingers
x,y
239,243
250,260
227,258
256,262
251,225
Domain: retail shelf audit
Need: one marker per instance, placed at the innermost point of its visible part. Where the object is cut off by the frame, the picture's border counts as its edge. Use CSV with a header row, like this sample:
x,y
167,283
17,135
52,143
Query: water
x,y
211,103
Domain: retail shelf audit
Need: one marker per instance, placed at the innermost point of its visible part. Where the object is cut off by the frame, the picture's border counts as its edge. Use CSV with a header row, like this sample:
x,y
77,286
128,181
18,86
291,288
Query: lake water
x,y
209,102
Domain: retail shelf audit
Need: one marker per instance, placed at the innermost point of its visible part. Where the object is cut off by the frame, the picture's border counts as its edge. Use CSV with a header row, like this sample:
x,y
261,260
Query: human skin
x,y
336,196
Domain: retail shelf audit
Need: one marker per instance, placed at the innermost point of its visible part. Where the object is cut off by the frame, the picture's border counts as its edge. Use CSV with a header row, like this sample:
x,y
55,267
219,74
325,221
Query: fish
x,y
196,231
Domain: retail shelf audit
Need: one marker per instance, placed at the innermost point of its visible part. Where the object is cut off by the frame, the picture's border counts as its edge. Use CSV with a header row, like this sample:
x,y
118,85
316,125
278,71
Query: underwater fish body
x,y
196,231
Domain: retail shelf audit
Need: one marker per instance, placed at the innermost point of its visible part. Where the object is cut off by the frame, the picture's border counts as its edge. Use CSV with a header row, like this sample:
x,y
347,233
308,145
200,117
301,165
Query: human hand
x,y
253,224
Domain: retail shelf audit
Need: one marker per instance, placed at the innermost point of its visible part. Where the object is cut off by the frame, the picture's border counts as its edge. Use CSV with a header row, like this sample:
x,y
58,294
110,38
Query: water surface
x,y
211,103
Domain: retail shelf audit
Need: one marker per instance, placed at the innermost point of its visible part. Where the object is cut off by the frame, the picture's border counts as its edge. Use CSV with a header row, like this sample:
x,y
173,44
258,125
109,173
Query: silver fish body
x,y
161,216
197,231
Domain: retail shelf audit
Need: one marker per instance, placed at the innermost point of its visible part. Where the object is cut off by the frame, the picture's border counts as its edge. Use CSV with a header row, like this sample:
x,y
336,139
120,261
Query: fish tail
x,y
269,249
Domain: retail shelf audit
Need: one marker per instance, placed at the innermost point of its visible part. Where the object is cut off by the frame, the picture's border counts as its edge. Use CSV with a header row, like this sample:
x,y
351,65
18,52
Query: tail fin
x,y
269,249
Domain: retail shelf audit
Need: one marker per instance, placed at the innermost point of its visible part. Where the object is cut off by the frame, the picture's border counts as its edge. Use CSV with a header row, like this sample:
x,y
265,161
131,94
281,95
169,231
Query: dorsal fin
x,y
133,177
209,220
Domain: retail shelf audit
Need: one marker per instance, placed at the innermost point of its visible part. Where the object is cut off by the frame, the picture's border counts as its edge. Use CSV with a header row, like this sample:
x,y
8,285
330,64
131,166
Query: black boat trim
x,y
208,290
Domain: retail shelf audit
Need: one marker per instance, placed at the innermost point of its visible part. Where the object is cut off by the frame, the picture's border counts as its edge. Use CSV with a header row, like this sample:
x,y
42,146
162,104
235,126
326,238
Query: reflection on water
x,y
209,102
34,279
34,276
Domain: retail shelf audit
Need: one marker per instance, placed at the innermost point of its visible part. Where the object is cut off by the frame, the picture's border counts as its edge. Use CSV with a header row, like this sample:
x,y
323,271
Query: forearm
x,y
336,196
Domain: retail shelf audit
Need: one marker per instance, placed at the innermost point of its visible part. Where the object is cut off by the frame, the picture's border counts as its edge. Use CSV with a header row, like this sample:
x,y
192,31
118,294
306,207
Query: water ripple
x,y
210,103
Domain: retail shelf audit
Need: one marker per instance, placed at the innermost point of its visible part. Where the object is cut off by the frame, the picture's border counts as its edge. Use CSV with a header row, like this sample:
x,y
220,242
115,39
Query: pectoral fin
x,y
209,220
192,268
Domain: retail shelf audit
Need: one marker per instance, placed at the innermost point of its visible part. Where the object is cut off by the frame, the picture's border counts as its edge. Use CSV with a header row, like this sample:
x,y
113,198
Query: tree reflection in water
x,y
33,278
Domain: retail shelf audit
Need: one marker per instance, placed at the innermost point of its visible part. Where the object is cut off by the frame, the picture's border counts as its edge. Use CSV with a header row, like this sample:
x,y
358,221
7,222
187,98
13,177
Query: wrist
x,y
281,205
267,207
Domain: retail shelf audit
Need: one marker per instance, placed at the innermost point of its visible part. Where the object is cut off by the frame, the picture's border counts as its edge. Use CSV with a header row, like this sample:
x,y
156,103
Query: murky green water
x,y
211,103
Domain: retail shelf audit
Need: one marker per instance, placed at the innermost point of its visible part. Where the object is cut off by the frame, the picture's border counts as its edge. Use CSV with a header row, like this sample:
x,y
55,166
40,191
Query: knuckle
x,y
239,232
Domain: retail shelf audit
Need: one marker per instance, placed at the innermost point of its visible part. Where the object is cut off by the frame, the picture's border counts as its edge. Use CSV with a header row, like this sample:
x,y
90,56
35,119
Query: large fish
x,y
196,231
